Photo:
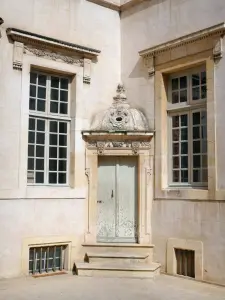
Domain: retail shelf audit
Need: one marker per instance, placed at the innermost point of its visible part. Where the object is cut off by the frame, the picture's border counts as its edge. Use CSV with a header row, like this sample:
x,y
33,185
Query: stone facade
x,y
99,43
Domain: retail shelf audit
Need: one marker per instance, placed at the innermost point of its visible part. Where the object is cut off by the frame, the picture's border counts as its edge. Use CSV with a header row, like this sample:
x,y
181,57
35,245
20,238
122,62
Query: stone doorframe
x,y
139,144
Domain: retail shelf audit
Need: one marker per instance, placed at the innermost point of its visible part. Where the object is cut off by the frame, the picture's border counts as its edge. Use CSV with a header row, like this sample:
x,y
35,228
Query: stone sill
x,y
49,274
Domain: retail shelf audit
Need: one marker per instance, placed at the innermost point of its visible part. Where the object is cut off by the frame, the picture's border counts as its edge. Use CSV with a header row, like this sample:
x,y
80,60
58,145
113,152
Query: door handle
x,y
99,201
112,194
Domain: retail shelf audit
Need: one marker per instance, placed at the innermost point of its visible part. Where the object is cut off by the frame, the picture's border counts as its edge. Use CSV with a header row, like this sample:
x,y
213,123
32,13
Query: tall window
x,y
49,126
188,123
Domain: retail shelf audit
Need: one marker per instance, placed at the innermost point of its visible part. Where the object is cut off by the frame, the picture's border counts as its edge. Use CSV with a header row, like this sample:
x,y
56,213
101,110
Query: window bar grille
x,y
34,261
47,258
54,260
40,261
61,258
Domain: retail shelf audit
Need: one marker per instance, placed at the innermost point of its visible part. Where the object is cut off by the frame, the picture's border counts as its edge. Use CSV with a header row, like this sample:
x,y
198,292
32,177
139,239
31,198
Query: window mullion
x,y
190,142
47,151
48,94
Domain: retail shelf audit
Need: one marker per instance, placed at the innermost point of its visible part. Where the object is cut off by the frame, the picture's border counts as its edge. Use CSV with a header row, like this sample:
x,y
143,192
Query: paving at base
x,y
85,288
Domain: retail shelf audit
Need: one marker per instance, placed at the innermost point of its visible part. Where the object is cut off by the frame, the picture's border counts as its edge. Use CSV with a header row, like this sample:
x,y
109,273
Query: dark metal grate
x,y
185,262
46,259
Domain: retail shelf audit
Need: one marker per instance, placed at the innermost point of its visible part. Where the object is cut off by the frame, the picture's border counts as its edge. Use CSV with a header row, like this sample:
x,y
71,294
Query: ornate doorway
x,y
117,199
119,165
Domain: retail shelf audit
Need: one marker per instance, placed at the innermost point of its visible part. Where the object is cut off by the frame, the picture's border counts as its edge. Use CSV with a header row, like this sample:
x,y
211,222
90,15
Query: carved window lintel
x,y
210,38
50,48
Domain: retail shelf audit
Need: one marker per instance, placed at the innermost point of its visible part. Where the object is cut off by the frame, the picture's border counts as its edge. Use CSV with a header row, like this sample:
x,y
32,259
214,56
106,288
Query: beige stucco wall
x,y
192,220
147,25
31,212
28,212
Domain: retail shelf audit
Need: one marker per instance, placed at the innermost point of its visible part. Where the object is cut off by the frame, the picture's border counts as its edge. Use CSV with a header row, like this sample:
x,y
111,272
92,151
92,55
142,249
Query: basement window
x,y
43,260
185,262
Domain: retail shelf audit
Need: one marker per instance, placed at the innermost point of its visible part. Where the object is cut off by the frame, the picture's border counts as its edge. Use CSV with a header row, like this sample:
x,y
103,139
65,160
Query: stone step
x,y
137,270
137,249
116,257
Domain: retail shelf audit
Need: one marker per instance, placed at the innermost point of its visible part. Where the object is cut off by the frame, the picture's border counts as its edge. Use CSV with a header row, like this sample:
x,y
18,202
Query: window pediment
x,y
207,39
51,48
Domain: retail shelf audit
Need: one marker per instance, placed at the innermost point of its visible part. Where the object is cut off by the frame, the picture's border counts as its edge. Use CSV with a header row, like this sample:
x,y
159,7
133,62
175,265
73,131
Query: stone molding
x,y
101,146
209,38
107,141
117,7
50,48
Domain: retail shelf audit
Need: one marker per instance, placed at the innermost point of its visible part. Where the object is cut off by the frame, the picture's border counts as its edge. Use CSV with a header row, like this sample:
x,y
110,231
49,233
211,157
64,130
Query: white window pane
x,y
175,84
183,82
32,104
54,94
33,78
53,126
63,108
54,107
64,96
39,177
62,127
40,125
42,79
64,83
195,80
53,165
55,82
33,91
53,178
196,93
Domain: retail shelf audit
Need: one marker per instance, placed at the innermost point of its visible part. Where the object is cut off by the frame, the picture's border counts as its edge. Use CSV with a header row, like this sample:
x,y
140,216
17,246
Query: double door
x,y
117,199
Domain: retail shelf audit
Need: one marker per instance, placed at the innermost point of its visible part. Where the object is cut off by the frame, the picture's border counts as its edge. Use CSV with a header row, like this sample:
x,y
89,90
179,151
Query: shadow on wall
x,y
139,7
139,70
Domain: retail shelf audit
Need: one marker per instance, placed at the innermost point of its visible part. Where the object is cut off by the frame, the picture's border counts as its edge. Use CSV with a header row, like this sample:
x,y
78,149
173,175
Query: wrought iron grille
x,y
46,259
185,262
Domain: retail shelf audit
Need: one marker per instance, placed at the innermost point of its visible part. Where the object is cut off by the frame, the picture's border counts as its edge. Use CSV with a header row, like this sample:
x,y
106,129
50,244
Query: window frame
x,y
48,116
178,109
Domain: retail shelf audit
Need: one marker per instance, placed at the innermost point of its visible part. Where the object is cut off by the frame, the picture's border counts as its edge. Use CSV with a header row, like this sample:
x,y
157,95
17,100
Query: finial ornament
x,y
121,93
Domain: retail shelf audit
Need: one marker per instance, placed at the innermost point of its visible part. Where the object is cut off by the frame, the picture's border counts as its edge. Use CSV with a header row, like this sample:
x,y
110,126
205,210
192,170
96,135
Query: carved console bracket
x,y
207,39
50,48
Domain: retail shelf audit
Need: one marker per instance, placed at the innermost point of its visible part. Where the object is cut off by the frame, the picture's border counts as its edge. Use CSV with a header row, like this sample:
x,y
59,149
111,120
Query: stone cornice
x,y
51,43
117,7
190,38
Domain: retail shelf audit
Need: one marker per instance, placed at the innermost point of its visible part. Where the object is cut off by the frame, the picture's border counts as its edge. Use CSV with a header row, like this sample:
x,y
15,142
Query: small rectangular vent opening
x,y
43,260
185,262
